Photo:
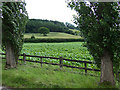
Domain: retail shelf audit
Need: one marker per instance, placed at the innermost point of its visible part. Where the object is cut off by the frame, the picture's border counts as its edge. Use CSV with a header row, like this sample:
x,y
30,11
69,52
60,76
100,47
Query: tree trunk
x,y
107,75
10,57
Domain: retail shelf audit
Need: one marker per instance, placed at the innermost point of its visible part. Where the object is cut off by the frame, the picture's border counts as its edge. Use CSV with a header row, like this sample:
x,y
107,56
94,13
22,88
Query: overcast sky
x,y
49,9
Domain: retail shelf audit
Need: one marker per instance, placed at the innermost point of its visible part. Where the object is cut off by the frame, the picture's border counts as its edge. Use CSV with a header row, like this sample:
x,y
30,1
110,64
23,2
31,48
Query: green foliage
x,y
70,26
68,50
73,32
84,44
32,37
106,83
38,40
99,25
13,25
70,32
43,30
54,26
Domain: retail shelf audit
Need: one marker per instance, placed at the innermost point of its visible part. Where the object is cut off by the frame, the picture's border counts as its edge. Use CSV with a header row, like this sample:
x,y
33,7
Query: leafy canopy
x,y
99,24
44,31
13,25
54,26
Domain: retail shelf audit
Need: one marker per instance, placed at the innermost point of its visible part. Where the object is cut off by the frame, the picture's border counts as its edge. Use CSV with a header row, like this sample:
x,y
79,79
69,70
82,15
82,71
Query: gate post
x,y
85,68
41,61
61,62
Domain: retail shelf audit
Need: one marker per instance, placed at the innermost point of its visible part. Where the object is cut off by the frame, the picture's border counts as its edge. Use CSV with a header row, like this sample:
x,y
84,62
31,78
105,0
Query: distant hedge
x,y
39,40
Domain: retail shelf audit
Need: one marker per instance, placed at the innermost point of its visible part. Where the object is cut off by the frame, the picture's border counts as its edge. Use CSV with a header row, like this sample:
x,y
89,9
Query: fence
x,y
60,62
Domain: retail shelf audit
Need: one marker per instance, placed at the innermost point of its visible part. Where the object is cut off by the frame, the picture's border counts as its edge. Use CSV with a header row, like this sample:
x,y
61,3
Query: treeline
x,y
54,26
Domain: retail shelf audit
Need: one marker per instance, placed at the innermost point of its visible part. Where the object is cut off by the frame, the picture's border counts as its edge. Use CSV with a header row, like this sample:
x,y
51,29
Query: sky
x,y
50,10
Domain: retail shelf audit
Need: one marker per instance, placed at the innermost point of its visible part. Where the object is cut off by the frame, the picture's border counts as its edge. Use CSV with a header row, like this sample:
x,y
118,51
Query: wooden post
x,y
61,62
41,61
85,68
24,58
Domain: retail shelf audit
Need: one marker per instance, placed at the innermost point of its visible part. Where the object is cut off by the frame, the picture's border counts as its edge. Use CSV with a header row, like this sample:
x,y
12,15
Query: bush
x,y
32,37
76,32
70,32
84,44
29,40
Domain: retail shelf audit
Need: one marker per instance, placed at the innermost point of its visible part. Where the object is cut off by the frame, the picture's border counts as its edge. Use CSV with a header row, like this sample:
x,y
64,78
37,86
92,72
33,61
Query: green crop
x,y
74,50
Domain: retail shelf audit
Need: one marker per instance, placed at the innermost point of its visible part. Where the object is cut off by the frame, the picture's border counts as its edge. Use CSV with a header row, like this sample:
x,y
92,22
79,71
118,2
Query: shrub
x,y
70,32
32,37
39,40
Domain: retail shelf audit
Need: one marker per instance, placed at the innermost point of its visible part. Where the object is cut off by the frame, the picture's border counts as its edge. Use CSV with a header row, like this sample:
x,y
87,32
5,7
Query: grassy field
x,y
51,35
32,75
74,30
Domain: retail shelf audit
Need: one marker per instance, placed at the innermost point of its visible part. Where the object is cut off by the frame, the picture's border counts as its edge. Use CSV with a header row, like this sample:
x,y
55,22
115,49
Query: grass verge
x,y
32,75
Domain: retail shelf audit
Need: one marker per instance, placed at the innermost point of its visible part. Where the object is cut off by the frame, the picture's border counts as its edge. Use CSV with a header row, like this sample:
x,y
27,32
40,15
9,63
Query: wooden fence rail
x,y
60,62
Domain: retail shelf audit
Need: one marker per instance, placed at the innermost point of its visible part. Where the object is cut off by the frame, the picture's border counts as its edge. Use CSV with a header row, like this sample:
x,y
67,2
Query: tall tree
x,y
13,23
99,24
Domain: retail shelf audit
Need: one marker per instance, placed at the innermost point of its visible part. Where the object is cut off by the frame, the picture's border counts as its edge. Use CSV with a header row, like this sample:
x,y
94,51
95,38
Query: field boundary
x,y
48,40
60,62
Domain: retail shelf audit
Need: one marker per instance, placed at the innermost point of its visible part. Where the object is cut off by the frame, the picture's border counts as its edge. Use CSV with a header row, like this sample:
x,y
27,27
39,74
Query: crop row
x,y
74,50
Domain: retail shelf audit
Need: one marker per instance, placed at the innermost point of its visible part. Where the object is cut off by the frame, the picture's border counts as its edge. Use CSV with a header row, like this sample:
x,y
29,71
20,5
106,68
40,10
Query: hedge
x,y
39,40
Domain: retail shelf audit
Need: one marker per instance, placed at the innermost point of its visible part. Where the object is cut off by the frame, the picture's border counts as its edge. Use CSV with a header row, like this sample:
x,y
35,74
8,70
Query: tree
x,y
44,31
70,26
99,25
13,27
54,26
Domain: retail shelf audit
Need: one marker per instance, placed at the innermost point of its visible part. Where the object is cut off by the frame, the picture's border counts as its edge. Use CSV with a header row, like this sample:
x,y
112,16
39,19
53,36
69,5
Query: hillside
x,y
52,35
54,26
